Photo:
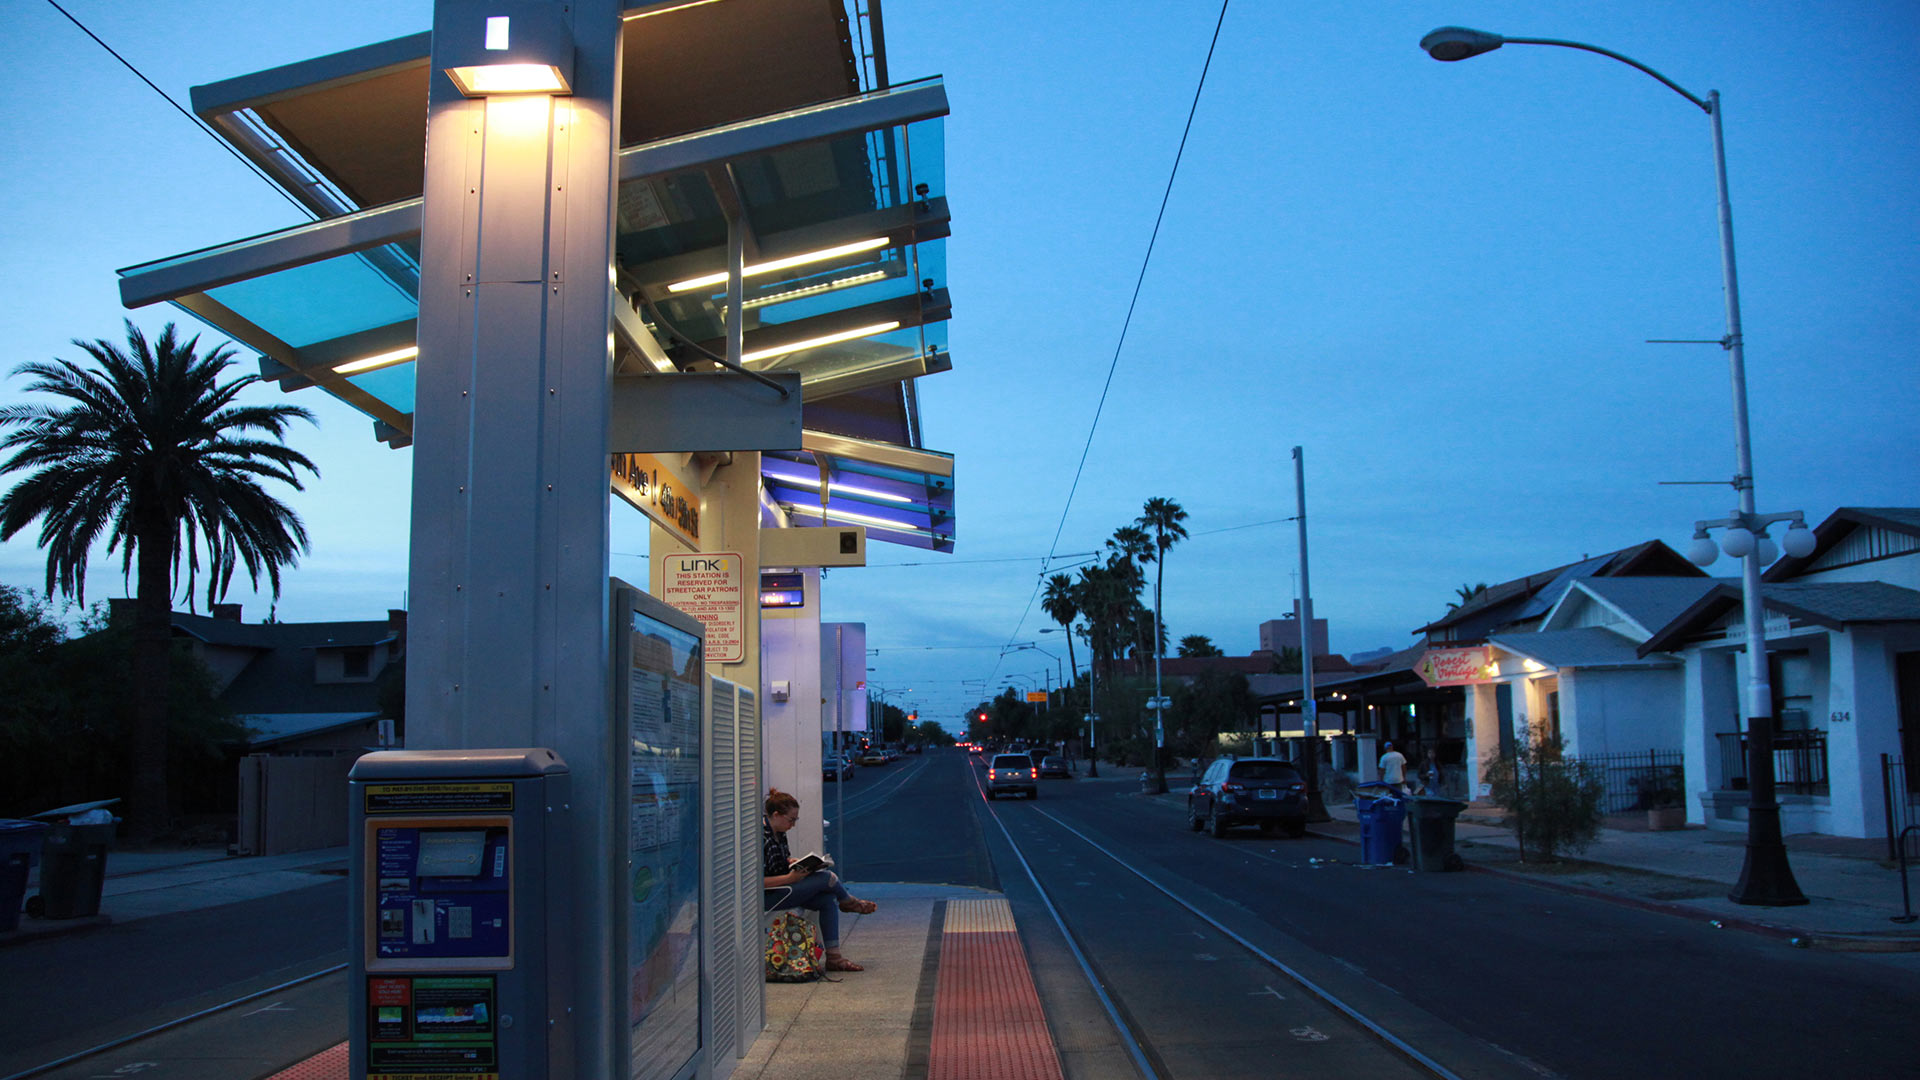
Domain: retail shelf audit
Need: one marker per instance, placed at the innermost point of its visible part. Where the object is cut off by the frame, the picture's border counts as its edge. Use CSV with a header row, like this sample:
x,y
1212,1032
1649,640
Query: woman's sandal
x,y
859,907
841,963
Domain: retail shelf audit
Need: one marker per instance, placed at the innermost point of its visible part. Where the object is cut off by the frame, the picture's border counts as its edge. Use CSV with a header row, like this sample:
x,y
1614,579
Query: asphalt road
x,y
63,994
1484,975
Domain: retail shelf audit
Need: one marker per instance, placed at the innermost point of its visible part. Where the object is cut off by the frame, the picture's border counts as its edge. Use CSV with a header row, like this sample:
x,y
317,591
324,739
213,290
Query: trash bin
x,y
1380,820
19,850
1433,832
73,860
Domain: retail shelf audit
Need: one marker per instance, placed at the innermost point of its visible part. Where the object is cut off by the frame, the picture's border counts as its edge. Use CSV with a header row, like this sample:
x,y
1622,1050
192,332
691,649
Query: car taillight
x,y
1033,774
1296,787
1231,786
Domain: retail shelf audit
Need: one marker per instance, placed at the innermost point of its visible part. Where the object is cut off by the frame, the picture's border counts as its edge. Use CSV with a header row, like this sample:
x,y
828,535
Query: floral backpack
x,y
793,950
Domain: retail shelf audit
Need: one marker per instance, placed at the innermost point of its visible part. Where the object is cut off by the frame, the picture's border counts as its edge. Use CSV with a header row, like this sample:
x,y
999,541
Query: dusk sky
x,y
1436,278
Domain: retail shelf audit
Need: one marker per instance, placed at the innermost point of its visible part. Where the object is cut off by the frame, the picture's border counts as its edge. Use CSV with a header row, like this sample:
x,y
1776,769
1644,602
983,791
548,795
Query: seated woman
x,y
787,888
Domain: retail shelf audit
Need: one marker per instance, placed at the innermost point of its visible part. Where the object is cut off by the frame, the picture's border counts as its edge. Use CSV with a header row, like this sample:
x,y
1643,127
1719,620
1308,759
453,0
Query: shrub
x,y
1553,802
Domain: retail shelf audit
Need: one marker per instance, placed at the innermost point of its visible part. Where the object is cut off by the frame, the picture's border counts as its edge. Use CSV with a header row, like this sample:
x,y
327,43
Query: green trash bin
x,y
73,870
1432,820
19,849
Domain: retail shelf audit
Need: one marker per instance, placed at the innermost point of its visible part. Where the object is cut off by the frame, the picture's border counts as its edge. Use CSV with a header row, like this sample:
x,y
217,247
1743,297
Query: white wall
x,y
1622,710
790,748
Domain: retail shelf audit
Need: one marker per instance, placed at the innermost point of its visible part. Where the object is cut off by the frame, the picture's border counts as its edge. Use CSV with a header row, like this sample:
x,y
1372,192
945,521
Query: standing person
x,y
1393,769
1430,771
788,888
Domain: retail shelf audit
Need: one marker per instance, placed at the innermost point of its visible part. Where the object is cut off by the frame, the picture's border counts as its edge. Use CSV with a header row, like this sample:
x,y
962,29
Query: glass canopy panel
x,y
392,385
321,301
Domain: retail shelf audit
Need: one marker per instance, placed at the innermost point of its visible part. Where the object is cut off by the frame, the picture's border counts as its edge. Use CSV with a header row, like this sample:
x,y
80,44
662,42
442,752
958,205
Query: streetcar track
x,y
169,1025
1129,1032
1325,996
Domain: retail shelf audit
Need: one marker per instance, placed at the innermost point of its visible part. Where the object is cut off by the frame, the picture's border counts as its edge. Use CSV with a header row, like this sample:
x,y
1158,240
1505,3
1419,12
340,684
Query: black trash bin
x,y
1432,820
73,868
19,850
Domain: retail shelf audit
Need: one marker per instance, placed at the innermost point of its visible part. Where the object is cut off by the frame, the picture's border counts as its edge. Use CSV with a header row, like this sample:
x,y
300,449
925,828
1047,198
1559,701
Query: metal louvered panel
x,y
724,881
753,987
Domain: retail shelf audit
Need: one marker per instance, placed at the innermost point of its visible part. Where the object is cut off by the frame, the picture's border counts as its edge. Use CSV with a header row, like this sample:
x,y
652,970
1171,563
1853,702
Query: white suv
x,y
1012,772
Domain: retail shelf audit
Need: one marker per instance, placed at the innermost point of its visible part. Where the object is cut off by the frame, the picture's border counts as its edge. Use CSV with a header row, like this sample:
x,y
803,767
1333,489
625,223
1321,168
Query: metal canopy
x,y
332,303
902,495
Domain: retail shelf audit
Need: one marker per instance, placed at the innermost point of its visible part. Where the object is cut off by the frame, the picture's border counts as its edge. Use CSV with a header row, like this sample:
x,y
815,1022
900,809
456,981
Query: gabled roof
x,y
1838,526
270,728
1832,604
1647,603
1531,596
1580,647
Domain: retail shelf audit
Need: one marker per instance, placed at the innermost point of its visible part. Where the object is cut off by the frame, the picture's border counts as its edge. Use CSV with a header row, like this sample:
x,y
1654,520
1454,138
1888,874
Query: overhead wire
x,y
198,123
1126,323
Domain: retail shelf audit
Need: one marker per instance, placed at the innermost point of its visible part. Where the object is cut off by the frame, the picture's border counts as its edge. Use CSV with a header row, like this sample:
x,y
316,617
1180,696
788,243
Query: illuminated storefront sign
x,y
1456,667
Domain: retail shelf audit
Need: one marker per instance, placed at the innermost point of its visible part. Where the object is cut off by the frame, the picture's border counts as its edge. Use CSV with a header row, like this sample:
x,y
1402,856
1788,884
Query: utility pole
x,y
1309,711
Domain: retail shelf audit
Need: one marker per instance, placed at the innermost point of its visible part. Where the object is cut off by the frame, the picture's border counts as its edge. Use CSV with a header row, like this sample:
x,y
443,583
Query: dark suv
x,y
1267,792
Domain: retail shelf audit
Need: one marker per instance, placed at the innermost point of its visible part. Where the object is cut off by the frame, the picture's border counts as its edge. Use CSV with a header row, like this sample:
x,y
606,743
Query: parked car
x,y
836,767
1010,773
874,757
1054,765
1039,754
1267,792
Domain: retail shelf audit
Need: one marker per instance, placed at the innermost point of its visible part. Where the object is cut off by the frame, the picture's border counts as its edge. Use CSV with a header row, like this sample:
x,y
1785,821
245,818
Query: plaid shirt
x,y
774,858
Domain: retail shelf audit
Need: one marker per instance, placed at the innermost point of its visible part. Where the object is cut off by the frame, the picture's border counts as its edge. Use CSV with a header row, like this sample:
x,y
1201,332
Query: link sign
x,y
711,586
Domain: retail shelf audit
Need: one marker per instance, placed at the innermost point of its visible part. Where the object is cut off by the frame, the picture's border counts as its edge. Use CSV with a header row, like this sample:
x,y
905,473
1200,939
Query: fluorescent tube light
x,y
814,483
377,361
803,259
824,339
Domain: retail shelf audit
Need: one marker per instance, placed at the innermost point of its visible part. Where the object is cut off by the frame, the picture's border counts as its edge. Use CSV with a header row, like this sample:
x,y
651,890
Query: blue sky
x,y
1437,278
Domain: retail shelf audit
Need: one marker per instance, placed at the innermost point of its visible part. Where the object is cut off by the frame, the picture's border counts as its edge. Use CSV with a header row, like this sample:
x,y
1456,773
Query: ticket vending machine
x,y
453,855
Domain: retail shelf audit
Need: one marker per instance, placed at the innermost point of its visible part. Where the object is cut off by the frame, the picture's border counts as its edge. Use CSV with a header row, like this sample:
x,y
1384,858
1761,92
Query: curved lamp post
x,y
1765,878
1093,717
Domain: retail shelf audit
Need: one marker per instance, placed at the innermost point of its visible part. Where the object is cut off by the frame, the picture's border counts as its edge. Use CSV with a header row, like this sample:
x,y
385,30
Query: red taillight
x,y
1231,786
1033,774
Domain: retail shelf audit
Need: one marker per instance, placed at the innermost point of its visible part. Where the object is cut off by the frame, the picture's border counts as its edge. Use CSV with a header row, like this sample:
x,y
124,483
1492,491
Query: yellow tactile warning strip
x,y
978,917
987,1021
328,1064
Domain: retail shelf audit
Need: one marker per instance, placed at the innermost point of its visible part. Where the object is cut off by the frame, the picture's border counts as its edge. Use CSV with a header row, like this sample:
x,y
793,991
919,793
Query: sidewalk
x,y
142,884
1852,894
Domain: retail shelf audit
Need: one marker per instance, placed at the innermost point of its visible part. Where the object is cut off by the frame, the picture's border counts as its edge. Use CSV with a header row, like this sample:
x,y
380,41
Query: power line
x,y
1126,323
198,124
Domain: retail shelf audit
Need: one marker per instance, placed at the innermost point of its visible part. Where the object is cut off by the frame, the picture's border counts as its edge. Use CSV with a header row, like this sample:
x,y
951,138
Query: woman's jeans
x,y
822,892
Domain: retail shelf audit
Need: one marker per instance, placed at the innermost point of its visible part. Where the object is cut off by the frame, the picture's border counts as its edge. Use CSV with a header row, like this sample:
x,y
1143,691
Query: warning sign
x,y
712,587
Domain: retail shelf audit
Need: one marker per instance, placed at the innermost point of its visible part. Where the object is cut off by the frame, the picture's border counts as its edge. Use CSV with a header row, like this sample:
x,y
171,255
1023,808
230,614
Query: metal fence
x,y
1799,761
1642,779
1903,805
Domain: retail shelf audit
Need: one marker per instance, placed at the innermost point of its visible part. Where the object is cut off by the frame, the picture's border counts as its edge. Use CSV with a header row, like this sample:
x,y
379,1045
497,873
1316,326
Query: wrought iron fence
x,y
1903,805
1799,761
1641,779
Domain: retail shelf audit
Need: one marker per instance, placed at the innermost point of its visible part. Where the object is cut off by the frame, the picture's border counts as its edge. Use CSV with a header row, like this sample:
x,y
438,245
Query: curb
x,y
53,928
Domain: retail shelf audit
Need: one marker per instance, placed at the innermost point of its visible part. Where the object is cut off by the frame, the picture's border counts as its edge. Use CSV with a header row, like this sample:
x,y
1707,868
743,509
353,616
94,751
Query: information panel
x,y
432,1026
442,891
662,722
712,587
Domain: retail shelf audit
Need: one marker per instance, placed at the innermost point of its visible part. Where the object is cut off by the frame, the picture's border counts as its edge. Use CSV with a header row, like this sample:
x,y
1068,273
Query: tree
x,y
1061,607
1465,593
1163,517
154,454
1199,645
1555,801
930,733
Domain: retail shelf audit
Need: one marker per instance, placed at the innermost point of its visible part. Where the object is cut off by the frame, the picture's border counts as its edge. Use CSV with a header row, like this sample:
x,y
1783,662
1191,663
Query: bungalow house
x,y
1843,650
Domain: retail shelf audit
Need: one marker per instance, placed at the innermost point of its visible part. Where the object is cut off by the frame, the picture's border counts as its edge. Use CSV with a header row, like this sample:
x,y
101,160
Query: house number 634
x,y
1840,717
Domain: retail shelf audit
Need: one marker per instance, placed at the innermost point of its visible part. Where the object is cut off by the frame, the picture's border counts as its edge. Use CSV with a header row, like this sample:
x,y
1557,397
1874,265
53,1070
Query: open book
x,y
810,862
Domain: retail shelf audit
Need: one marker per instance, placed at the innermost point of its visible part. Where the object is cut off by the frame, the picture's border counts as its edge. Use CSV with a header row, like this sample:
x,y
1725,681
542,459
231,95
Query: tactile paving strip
x,y
987,1021
328,1064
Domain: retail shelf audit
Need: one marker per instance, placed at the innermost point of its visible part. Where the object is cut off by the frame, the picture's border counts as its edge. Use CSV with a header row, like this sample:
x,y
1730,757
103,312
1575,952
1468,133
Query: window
x,y
354,663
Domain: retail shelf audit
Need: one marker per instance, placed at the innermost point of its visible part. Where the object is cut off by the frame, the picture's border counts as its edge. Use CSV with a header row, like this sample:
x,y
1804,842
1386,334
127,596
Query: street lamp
x,y
1766,878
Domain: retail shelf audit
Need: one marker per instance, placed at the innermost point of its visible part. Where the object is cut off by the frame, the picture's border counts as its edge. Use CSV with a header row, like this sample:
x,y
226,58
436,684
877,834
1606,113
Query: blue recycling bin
x,y
19,849
1380,820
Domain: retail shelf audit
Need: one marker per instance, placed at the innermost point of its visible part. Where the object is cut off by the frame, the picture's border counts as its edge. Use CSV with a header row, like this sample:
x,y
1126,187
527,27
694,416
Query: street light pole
x,y
1309,708
1765,878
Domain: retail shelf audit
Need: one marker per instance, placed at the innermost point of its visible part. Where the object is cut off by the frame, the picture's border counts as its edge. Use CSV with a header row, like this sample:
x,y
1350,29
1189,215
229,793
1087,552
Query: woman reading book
x,y
791,885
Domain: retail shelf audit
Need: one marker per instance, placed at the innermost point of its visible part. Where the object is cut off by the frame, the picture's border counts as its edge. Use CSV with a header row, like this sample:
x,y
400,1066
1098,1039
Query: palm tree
x,y
1163,516
1128,550
1466,593
154,454
1199,645
1059,605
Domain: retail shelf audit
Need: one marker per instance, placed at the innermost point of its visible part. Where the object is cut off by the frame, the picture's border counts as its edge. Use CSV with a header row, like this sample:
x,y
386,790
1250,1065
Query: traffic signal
x,y
981,717
912,716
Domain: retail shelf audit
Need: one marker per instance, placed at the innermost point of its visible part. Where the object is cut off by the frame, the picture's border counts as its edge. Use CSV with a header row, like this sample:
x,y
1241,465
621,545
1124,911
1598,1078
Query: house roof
x,y
1832,604
1840,524
278,681
271,728
1648,602
1580,647
1532,596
